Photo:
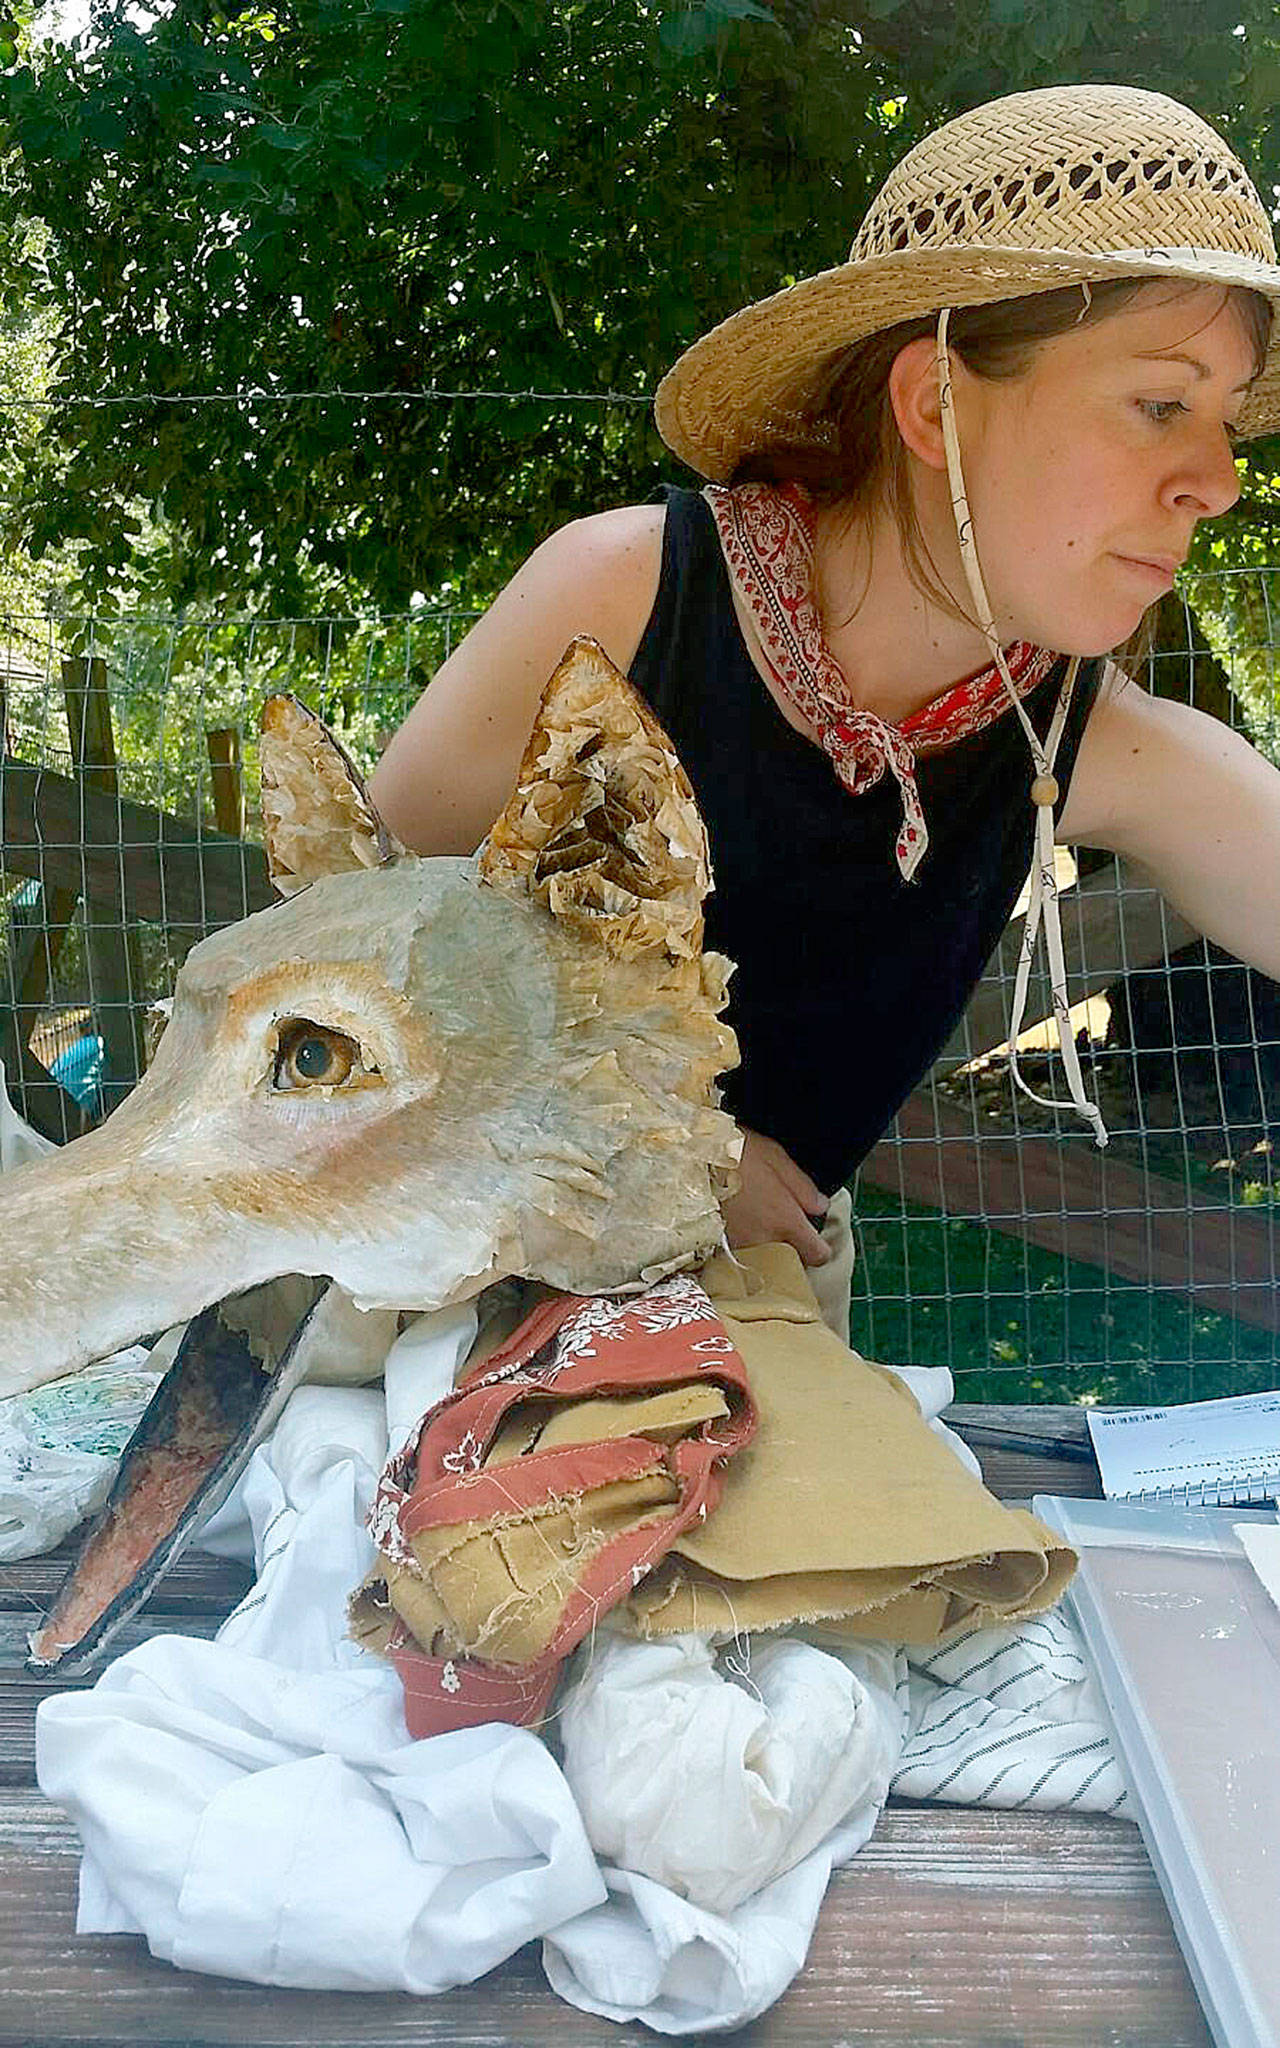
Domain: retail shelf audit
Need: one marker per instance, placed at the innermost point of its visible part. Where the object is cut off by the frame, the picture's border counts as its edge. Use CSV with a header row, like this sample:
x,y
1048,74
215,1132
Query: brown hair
x,y
864,460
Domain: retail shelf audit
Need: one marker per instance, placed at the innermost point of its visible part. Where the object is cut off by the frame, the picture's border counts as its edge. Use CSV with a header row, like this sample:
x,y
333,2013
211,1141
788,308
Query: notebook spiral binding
x,y
1253,1489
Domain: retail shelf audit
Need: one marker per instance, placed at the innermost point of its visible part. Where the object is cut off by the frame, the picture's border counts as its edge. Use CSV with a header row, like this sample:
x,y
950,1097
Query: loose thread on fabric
x,y
523,1516
737,1662
11,1585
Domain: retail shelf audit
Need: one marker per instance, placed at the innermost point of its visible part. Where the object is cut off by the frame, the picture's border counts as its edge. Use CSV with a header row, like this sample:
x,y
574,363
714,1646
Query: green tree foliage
x,y
492,195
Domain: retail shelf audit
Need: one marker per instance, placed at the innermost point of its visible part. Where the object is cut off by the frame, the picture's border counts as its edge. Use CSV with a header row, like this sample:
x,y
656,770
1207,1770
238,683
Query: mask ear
x,y
602,828
318,816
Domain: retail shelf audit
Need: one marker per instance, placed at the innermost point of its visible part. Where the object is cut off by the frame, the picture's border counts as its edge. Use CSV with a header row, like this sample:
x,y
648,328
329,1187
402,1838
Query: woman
x,y
960,468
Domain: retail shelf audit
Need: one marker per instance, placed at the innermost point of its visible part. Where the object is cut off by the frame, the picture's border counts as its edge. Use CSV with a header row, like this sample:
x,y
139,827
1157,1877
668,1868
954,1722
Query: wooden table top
x,y
953,1928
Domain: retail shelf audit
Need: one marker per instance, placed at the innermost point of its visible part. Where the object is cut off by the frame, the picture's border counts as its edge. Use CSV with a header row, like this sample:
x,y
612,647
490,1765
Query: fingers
x,y
794,1178
775,1224
771,1202
810,1243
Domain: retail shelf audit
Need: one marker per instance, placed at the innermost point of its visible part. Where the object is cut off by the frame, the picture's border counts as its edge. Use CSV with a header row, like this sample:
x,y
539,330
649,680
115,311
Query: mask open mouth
x,y
219,1398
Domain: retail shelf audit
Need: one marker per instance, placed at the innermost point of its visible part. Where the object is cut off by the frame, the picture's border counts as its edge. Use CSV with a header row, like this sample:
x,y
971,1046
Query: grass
x,y
1015,1323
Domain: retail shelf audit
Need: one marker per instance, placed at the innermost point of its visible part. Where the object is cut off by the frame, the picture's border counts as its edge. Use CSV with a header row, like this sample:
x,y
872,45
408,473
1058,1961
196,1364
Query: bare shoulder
x,y
600,572
597,575
629,537
450,767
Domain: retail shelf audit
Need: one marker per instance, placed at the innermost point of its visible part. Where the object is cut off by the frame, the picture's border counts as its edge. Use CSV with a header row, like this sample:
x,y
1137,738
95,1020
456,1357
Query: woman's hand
x,y
775,1202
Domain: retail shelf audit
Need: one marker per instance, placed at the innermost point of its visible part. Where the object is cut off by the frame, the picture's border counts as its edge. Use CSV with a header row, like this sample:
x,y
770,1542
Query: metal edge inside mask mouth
x,y
215,1404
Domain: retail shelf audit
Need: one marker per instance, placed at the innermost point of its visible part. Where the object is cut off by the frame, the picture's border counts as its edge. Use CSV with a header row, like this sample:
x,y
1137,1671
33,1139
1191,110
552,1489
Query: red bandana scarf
x,y
767,539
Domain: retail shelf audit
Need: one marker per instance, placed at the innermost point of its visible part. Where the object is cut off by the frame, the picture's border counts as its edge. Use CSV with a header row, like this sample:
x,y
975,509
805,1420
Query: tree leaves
x,y
490,195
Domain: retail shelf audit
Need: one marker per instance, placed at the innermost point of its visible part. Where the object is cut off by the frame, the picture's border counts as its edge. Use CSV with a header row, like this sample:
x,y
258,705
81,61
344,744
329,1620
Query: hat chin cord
x,y
1042,905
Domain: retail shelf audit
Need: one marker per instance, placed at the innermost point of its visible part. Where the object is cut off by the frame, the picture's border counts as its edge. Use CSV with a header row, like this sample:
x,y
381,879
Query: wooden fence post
x,y
115,960
223,742
35,939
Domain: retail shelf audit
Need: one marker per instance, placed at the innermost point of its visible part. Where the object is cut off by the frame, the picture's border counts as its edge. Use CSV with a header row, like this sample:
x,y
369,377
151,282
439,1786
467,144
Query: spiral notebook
x,y
1199,1454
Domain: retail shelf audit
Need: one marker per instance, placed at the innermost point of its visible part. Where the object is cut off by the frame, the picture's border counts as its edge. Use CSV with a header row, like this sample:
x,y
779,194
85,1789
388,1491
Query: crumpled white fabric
x,y
60,1445
55,1467
255,1807
713,1772
45,1493
649,1954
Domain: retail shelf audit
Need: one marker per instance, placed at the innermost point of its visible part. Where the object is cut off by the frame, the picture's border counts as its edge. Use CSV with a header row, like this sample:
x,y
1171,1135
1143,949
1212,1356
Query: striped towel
x,y
1009,1717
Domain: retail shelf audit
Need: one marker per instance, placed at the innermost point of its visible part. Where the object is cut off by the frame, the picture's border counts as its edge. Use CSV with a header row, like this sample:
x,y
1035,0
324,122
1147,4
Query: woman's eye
x,y
313,1056
1162,410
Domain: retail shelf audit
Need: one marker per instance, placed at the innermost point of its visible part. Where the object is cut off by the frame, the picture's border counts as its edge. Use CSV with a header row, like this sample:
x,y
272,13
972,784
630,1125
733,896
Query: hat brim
x,y
758,379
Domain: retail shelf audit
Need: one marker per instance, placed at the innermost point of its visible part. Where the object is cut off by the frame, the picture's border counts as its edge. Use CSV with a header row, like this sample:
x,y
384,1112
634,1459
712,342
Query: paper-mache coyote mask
x,y
412,1076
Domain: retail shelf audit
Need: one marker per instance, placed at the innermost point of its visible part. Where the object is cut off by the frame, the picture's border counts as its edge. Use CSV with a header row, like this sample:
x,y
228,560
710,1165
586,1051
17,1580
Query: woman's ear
x,y
913,393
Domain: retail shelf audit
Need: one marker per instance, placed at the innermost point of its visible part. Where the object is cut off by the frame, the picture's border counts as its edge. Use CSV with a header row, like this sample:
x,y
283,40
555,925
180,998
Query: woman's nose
x,y
1210,482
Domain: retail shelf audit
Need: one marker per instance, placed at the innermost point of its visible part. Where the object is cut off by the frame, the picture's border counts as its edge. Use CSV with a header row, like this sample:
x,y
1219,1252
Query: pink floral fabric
x,y
572,1348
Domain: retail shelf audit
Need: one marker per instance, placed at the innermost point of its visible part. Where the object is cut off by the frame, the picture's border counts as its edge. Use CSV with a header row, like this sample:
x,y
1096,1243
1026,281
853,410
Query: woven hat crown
x,y
1092,169
1068,185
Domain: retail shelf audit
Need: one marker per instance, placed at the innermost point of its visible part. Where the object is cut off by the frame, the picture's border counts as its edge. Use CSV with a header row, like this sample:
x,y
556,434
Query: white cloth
x,y
60,1445
715,1773
255,1807
649,1954
44,1493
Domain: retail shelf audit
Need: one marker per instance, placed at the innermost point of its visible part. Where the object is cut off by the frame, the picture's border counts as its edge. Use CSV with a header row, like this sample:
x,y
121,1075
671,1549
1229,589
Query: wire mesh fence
x,y
994,1239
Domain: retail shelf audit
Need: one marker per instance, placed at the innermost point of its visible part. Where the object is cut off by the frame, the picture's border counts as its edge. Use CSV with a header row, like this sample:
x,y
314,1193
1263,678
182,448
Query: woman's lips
x,y
1161,572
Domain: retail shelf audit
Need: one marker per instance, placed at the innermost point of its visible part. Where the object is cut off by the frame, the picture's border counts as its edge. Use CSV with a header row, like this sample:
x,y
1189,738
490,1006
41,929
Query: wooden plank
x,y
950,1929
1069,1198
116,978
174,875
1016,1475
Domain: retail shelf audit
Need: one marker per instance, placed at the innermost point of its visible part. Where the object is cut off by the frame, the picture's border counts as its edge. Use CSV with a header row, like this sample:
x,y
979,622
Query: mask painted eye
x,y
315,1056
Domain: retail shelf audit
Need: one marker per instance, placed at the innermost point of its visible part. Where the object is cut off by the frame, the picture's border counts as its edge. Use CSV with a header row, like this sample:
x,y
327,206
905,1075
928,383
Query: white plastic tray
x,y
1185,1644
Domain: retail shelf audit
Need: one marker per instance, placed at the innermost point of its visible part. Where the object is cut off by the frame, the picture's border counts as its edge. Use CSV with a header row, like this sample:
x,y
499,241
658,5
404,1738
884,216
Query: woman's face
x,y
1087,474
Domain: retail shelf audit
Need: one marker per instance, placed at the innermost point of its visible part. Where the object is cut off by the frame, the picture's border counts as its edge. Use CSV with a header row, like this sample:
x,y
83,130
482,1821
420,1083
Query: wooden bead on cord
x,y
1044,790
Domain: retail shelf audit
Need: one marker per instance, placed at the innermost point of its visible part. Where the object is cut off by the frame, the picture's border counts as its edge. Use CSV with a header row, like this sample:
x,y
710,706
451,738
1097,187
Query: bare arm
x,y
451,766
1194,804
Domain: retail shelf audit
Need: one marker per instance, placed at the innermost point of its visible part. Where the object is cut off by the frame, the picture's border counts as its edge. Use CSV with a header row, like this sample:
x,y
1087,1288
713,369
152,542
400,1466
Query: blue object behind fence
x,y
79,1070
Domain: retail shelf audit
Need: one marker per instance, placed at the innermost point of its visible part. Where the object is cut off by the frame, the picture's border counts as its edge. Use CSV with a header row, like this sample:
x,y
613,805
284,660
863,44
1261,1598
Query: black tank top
x,y
849,979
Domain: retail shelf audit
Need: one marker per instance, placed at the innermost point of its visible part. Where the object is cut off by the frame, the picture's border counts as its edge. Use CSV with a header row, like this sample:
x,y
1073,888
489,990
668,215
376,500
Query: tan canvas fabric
x,y
532,1498
845,1509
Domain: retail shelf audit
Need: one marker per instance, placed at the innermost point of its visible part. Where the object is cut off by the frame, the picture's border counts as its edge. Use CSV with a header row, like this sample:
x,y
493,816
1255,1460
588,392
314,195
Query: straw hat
x,y
1063,186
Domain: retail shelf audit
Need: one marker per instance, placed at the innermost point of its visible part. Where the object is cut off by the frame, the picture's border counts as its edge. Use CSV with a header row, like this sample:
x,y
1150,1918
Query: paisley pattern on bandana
x,y
767,538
